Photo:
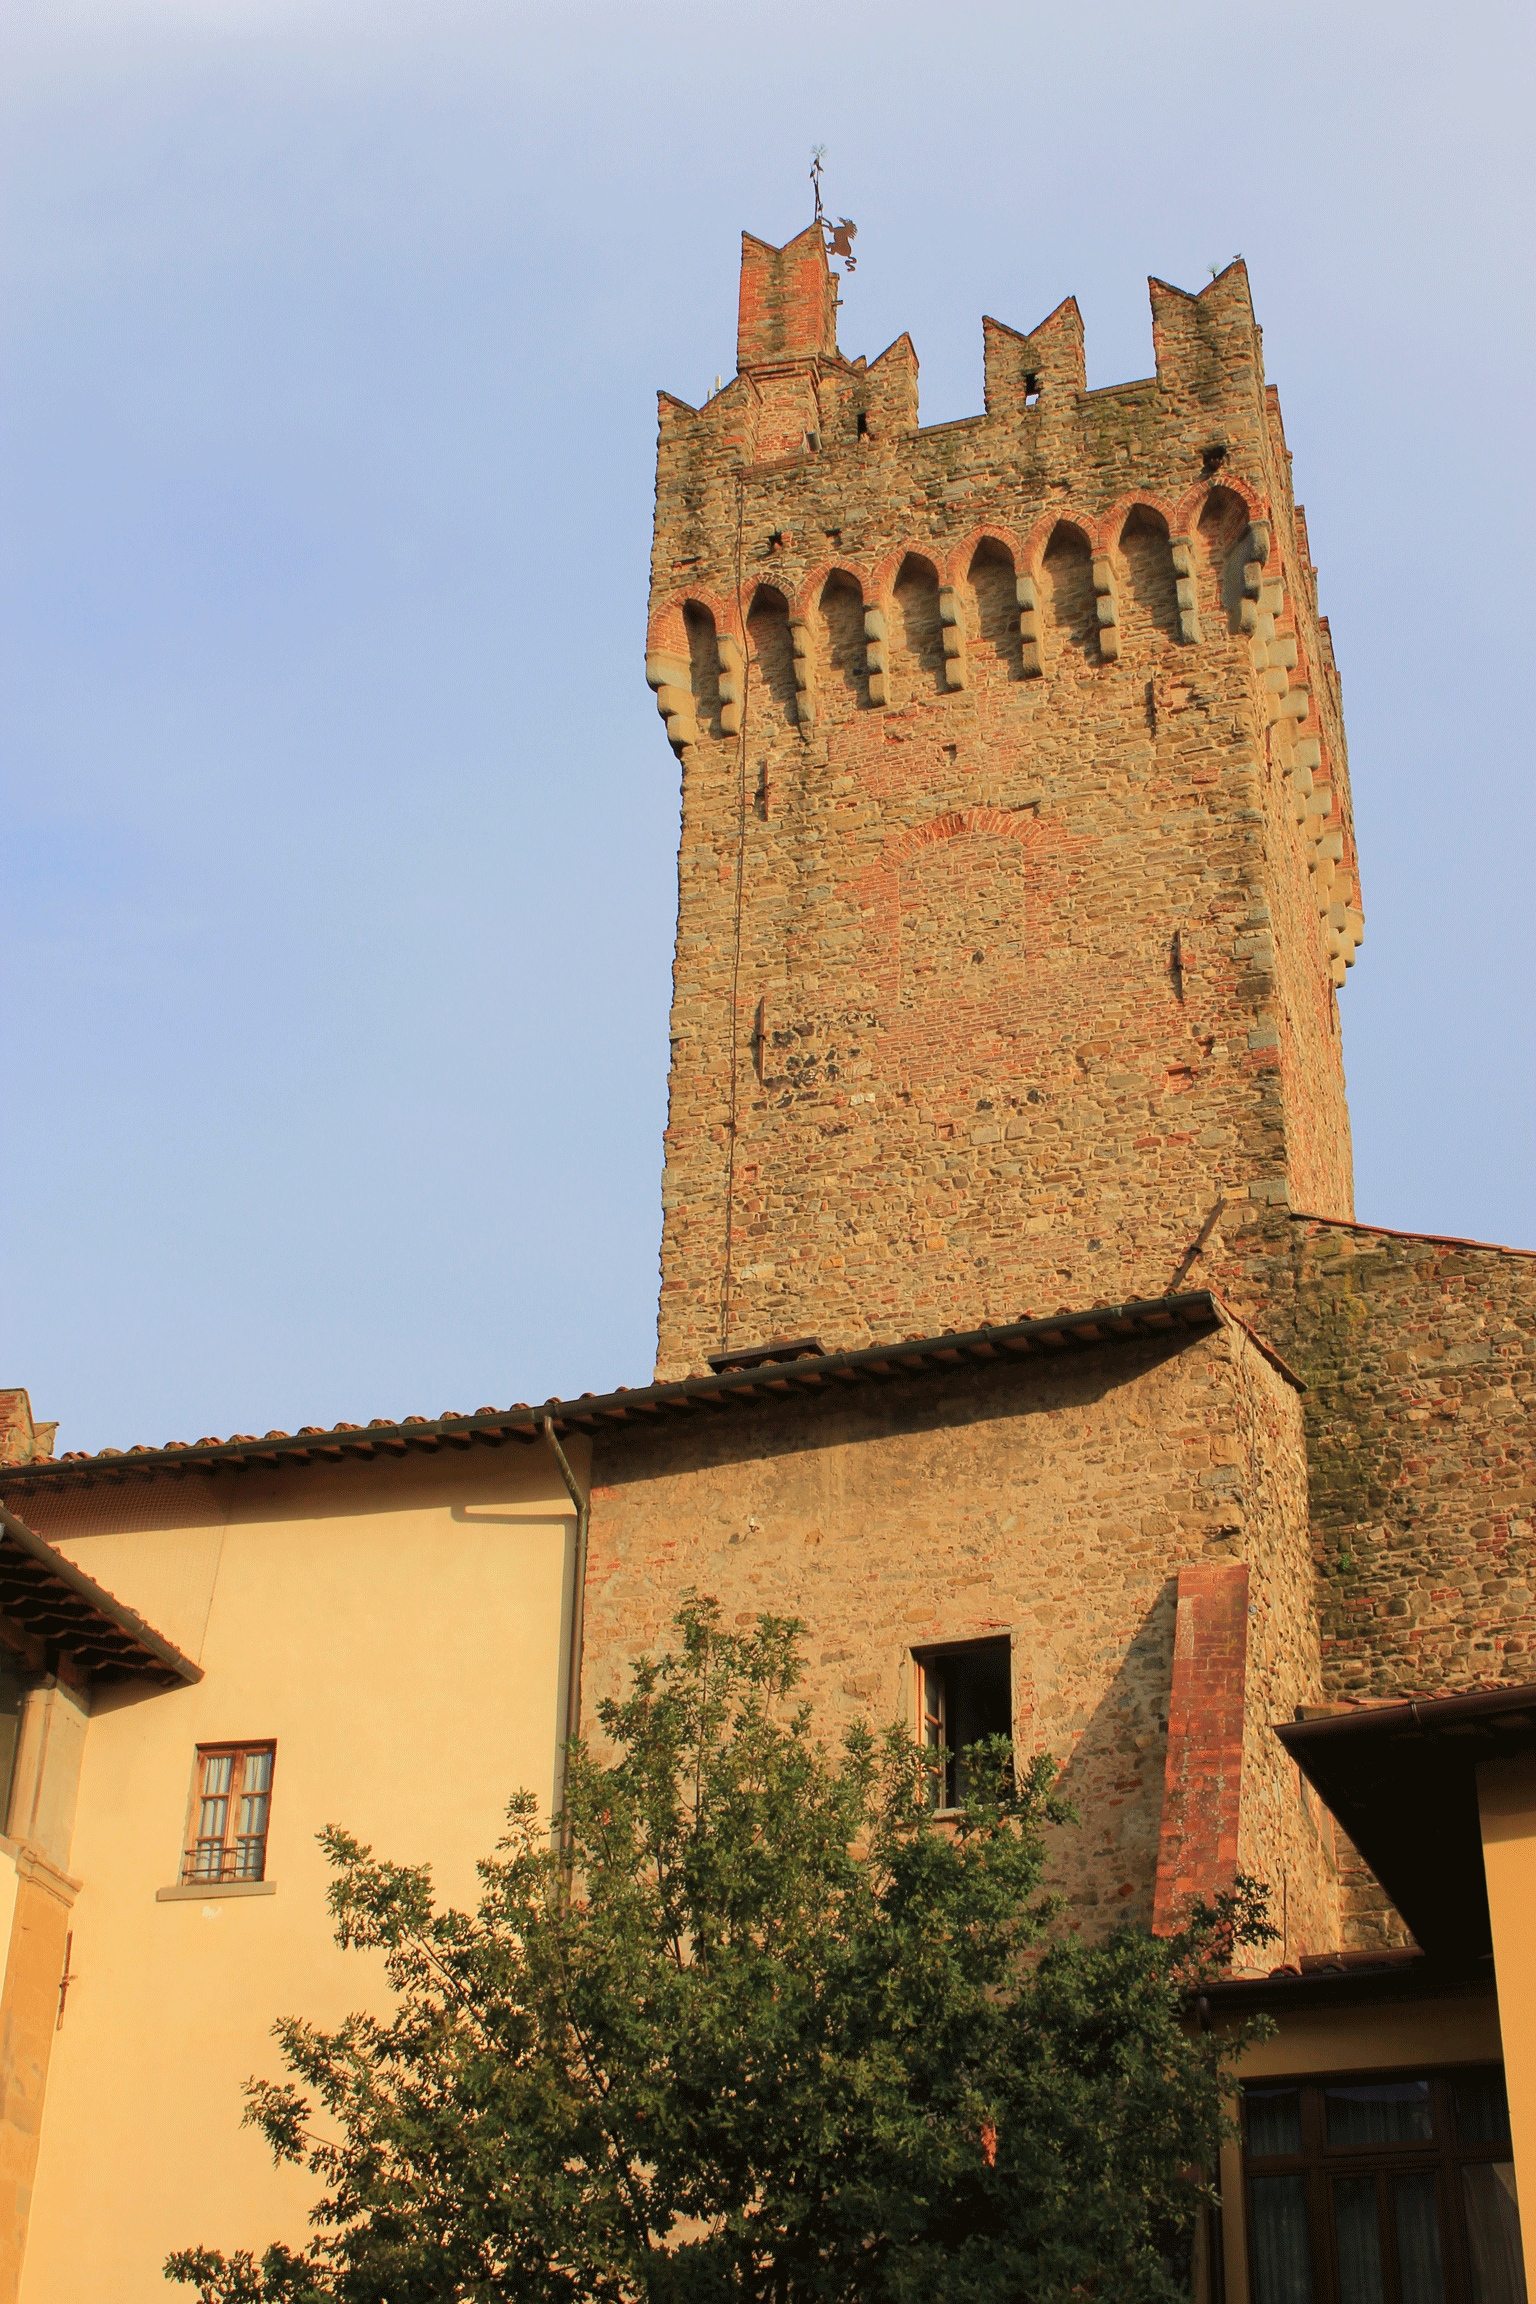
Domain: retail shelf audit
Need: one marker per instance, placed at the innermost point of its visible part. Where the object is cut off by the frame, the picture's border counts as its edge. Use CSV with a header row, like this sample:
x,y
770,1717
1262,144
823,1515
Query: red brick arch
x,y
1012,824
882,585
955,567
1062,516
1112,526
1192,503
667,630
810,592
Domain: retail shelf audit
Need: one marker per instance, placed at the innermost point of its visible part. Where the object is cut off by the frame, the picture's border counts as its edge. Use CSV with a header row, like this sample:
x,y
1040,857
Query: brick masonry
x,y
1017,875
1203,1771
21,1440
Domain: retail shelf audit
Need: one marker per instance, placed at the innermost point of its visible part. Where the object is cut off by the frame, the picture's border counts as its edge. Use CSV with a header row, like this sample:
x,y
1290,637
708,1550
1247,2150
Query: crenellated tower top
x,y
1017,878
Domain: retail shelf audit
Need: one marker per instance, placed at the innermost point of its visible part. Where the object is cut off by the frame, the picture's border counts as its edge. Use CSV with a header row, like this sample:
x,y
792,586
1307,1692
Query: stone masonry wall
x,y
1006,952
1285,1837
1420,1360
1055,1502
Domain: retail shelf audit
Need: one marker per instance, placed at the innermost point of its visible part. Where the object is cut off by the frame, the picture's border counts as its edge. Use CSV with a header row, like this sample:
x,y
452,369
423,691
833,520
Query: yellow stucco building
x,y
373,1632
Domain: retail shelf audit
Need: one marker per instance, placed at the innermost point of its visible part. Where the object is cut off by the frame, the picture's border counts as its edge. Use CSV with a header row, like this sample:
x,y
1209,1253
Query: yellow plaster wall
x,y
37,1898
1463,2029
40,1898
1506,1797
400,1631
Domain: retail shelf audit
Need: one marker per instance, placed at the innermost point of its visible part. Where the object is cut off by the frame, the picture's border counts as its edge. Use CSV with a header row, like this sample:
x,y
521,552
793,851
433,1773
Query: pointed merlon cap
x,y
788,308
1048,361
1206,341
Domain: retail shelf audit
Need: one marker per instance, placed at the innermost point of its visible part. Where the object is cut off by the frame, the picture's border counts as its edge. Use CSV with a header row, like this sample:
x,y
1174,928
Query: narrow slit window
x,y
231,1807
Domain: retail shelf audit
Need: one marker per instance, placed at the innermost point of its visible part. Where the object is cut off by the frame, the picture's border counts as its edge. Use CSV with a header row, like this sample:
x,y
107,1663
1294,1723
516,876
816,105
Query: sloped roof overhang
x,y
1402,1780
719,1393
48,1601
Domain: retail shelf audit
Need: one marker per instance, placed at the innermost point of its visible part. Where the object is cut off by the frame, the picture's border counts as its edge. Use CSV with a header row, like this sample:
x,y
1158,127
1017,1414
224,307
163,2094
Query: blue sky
x,y
339,882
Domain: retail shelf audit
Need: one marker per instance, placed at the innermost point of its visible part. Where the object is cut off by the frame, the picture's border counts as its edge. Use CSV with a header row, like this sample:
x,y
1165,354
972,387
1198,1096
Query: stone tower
x,y
1017,877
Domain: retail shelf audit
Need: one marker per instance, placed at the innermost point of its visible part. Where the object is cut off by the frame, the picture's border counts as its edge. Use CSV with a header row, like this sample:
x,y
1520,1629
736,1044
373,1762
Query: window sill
x,y
204,1891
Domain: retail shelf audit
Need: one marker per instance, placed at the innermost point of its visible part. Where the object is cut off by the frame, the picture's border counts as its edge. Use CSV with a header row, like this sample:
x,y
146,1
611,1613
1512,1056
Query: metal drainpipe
x,y
578,1598
1215,2237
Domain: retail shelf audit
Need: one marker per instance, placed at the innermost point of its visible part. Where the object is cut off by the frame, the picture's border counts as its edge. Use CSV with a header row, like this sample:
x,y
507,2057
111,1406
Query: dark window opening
x,y
964,1695
863,423
1392,2188
1031,387
1212,459
13,1695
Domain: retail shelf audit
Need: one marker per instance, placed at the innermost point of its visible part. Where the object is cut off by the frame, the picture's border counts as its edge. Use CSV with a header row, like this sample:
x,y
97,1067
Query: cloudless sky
x,y
340,829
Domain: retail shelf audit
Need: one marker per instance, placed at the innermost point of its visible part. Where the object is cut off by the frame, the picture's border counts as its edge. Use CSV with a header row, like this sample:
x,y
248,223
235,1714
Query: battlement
x,y
1207,345
938,652
1200,442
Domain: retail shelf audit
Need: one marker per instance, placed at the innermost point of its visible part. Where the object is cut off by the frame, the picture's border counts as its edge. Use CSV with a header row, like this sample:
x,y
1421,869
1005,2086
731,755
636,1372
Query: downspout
x,y
1215,2234
583,1506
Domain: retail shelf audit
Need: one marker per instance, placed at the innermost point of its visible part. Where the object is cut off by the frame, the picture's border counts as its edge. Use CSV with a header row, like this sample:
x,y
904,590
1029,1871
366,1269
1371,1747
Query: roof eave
x,y
146,1647
1058,1336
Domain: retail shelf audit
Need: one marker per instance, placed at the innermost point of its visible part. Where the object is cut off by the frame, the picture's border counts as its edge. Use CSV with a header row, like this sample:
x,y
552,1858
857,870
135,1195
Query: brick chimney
x,y
788,308
22,1441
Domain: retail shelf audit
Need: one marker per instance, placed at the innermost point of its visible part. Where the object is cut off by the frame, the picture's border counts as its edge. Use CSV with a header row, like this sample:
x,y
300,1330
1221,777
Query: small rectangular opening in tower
x,y
1031,387
965,1694
863,423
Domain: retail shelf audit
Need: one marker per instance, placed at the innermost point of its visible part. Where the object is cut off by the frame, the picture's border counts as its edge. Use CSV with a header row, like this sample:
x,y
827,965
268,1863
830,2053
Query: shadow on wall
x,y
1223,531
1068,574
780,1437
703,664
1106,1866
919,628
1150,611
994,581
773,654
842,612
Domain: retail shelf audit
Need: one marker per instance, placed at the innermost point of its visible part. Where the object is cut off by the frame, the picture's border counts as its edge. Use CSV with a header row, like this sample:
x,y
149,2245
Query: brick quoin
x,y
1203,1774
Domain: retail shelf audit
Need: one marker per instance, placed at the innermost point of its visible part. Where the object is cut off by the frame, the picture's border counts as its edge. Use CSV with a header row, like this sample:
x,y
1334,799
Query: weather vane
x,y
841,235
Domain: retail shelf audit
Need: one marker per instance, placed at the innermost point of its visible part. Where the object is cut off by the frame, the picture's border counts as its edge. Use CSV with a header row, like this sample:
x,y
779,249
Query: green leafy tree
x,y
763,2028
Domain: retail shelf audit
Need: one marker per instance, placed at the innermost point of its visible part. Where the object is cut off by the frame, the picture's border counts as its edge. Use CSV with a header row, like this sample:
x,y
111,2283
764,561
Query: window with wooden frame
x,y
231,1805
1382,2188
963,1695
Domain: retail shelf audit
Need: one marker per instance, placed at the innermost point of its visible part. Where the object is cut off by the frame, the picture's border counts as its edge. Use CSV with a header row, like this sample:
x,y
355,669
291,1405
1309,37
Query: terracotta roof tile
x,y
592,1411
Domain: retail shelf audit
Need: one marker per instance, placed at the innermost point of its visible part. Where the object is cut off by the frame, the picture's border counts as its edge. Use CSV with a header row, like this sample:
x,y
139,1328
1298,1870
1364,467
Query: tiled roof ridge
x,y
1261,1344
1095,1324
1340,1705
1393,1232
